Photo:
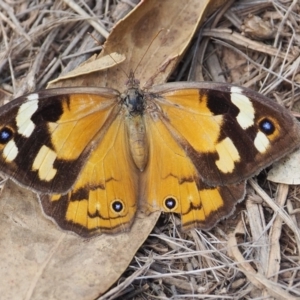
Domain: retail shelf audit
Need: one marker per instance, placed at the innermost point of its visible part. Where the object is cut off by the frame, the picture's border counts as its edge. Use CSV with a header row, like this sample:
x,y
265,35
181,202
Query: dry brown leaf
x,y
286,170
38,260
93,65
167,25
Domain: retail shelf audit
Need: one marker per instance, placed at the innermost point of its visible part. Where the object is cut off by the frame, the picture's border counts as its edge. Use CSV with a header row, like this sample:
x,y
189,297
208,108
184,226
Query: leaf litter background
x,y
254,253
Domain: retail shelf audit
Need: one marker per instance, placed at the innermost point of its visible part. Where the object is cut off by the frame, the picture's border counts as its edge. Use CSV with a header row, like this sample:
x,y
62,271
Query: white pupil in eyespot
x,y
170,203
5,135
267,126
117,206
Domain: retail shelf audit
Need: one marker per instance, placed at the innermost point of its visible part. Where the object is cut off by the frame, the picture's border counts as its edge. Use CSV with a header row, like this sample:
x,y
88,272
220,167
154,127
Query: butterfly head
x,y
132,82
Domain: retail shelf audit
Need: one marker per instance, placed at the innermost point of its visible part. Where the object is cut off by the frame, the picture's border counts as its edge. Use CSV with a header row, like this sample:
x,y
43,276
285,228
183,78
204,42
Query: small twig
x,y
93,23
13,23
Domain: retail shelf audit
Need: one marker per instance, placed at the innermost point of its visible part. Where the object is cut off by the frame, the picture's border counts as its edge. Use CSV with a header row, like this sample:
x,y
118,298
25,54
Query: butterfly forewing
x,y
46,137
229,133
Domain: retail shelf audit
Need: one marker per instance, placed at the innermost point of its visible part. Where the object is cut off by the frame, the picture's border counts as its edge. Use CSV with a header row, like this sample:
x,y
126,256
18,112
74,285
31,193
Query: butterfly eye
x,y
117,206
267,126
6,135
170,203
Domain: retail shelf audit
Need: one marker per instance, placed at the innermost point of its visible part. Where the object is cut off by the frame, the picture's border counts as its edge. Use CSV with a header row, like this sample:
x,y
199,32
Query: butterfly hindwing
x,y
104,196
171,183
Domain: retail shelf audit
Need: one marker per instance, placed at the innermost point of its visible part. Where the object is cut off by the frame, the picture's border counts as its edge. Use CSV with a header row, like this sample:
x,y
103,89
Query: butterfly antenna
x,y
120,66
147,49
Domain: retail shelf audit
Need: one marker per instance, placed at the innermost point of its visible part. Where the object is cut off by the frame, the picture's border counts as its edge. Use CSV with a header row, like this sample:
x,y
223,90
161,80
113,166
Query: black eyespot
x,y
6,135
117,206
170,203
266,126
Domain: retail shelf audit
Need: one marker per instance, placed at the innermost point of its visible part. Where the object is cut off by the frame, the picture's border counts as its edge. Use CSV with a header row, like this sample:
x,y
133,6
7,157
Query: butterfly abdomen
x,y
137,138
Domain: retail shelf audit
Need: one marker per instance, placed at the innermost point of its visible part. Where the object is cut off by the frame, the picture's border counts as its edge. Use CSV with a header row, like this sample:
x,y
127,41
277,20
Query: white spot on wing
x,y
26,110
43,163
261,142
246,115
10,151
228,156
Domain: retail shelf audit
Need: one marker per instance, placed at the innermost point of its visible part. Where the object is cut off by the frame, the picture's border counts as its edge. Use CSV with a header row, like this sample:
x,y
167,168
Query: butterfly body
x,y
95,155
134,103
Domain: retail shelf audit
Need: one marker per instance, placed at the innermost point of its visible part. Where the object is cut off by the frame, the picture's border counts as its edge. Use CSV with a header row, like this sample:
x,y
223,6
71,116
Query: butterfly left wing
x,y
71,146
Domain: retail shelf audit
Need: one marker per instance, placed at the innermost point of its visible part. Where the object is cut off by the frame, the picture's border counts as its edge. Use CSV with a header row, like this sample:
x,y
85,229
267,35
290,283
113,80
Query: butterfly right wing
x,y
206,139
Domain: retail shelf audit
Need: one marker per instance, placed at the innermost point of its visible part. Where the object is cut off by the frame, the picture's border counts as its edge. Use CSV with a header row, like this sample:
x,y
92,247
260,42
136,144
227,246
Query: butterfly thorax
x,y
135,106
134,101
134,97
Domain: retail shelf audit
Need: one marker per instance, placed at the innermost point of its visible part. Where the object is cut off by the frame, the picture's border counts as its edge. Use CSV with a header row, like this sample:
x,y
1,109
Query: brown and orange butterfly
x,y
95,156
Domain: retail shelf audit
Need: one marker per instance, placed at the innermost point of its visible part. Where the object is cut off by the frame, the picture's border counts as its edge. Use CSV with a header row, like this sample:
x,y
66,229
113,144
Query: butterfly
x,y
95,155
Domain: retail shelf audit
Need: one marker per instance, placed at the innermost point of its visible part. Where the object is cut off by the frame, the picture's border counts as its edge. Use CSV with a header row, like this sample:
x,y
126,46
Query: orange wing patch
x,y
83,115
192,117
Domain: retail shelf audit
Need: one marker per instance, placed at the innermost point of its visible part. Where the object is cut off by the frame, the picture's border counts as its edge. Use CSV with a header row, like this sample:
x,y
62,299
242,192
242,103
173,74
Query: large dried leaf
x,y
92,65
166,26
38,260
